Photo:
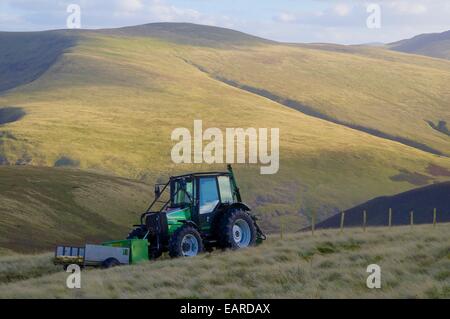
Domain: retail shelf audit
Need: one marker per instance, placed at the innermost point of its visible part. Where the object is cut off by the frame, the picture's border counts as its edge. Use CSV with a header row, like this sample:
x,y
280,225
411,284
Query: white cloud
x,y
166,12
285,17
342,9
408,7
129,5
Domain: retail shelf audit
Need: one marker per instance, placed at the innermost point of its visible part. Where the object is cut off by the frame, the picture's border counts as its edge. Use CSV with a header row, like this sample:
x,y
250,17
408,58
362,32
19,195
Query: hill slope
x,y
354,87
433,44
415,263
422,201
111,101
25,56
189,34
41,207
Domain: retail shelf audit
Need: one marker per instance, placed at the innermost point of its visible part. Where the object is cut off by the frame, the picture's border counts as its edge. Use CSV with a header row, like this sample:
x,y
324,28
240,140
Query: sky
x,y
333,21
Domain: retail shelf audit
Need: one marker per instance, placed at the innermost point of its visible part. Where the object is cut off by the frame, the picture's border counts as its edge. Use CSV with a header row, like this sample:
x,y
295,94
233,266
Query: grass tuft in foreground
x,y
415,263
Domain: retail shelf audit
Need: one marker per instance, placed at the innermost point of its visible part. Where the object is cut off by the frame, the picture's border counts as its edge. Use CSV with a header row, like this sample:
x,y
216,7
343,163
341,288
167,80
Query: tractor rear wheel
x,y
237,230
185,242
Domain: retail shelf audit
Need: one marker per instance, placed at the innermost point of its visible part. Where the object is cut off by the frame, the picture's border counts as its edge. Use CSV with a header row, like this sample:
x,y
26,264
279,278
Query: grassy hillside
x,y
189,34
414,263
111,102
41,207
374,90
432,44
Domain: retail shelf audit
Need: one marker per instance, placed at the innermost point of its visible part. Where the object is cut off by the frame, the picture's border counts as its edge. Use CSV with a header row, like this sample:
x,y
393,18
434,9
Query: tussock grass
x,y
414,263
22,267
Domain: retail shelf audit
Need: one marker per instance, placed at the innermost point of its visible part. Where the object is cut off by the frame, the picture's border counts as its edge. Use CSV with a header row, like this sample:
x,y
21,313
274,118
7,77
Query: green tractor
x,y
201,211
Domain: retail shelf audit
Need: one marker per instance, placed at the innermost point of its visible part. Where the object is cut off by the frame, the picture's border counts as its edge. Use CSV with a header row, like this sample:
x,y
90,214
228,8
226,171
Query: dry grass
x,y
415,263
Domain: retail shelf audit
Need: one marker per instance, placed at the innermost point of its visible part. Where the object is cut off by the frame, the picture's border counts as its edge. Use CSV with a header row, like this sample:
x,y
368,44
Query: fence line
x,y
364,223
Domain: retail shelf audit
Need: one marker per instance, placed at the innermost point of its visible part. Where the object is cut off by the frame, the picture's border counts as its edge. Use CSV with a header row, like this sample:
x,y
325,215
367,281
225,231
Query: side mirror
x,y
157,191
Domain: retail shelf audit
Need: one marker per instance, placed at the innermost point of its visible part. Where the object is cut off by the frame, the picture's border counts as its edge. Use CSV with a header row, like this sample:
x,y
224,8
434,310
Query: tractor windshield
x,y
182,192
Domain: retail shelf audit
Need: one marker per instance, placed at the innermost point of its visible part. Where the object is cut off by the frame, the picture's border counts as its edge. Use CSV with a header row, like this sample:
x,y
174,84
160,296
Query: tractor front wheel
x,y
185,242
237,230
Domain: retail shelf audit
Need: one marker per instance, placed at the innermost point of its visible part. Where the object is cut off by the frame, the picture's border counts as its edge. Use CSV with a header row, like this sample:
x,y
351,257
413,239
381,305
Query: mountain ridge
x,y
435,45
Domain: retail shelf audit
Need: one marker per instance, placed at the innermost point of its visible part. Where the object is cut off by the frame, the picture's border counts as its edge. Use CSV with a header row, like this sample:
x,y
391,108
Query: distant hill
x,y
432,44
421,200
189,34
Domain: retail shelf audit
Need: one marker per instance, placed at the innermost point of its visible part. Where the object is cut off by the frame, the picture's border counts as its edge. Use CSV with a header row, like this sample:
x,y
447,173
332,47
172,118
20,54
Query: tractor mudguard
x,y
242,206
190,223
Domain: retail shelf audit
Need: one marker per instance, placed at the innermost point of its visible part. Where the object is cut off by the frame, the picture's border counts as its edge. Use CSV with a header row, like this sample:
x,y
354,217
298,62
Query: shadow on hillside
x,y
11,114
422,201
25,56
441,127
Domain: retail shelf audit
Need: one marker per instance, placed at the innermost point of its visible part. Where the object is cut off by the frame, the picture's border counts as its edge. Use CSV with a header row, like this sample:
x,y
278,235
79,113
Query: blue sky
x,y
337,21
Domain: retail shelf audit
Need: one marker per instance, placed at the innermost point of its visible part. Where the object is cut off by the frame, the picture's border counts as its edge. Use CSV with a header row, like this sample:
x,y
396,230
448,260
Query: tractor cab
x,y
197,203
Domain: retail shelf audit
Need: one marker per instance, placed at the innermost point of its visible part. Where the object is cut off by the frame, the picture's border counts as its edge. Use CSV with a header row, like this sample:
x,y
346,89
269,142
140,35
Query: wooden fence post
x,y
364,220
434,218
313,222
281,227
390,217
342,220
411,219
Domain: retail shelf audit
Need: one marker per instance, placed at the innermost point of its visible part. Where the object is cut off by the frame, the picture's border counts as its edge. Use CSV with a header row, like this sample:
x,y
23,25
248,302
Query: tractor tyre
x,y
154,254
185,242
137,233
236,230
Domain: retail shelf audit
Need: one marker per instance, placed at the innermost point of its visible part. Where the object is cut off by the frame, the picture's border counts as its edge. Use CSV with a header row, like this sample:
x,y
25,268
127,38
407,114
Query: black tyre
x,y
110,263
154,253
137,233
236,230
185,242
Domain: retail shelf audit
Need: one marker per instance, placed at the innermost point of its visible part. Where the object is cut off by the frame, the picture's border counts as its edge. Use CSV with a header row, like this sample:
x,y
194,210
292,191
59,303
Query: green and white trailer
x,y
106,255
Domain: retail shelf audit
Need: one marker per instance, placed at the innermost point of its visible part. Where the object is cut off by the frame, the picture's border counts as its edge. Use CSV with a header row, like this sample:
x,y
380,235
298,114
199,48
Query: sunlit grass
x,y
414,264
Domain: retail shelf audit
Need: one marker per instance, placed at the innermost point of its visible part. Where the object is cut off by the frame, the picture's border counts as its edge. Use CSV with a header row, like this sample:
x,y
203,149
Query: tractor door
x,y
208,200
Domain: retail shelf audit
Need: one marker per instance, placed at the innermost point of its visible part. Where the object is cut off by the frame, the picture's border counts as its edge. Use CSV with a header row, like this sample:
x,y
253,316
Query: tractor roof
x,y
201,174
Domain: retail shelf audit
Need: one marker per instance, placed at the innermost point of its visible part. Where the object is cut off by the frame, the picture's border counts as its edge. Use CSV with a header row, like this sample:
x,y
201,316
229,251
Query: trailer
x,y
106,255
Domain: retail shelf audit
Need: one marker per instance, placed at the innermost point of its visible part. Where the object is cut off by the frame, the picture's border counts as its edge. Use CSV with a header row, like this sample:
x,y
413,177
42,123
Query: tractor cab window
x,y
182,192
209,195
226,193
